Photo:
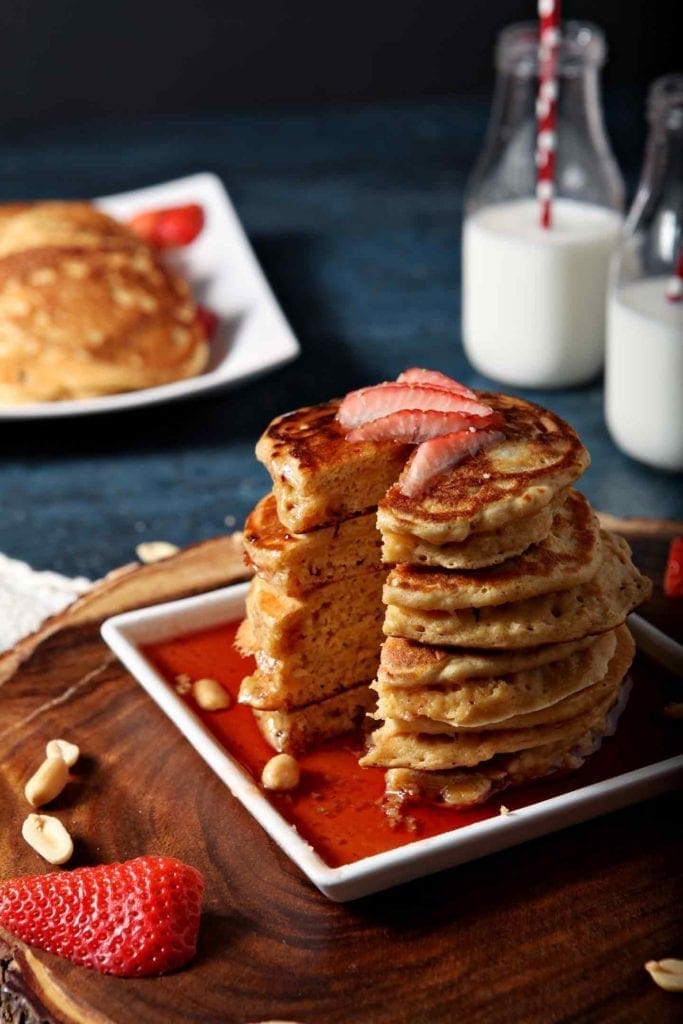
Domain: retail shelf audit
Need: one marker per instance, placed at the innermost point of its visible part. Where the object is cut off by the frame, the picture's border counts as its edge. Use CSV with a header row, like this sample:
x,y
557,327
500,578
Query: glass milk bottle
x,y
644,366
534,297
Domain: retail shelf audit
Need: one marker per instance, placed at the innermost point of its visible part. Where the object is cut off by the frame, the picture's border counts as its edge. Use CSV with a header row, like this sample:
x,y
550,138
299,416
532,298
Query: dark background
x,y
74,59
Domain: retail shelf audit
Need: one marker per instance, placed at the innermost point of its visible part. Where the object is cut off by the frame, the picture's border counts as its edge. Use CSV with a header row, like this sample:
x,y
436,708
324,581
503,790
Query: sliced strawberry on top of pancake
x,y
412,426
416,375
442,453
383,399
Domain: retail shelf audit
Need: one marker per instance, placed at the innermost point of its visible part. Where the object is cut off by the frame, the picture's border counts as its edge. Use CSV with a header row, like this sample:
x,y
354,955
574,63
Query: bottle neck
x,y
661,180
585,168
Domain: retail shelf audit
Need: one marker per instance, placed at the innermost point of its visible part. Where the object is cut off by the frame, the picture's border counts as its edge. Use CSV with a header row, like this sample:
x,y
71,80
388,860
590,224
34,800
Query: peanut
x,y
48,837
668,974
48,782
155,550
68,752
210,695
281,773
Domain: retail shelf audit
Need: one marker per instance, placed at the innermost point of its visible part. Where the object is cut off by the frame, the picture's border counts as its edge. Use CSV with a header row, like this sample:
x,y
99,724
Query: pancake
x,y
569,556
58,224
596,606
465,787
515,479
390,747
86,308
311,647
292,732
481,549
320,477
491,702
407,664
299,562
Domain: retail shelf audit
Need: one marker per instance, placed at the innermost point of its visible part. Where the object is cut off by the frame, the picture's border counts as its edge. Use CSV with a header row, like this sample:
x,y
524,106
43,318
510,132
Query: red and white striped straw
x,y
674,288
546,106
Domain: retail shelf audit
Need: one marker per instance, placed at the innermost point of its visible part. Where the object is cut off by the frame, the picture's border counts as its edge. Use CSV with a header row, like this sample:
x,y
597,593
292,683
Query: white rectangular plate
x,y
253,335
126,633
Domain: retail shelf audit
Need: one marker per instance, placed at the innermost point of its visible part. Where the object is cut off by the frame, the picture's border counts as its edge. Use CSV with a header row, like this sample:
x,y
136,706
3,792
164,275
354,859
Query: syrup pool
x,y
338,806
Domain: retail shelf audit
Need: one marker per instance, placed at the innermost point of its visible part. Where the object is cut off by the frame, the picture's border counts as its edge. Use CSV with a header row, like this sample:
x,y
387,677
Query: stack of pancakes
x,y
88,308
506,647
314,608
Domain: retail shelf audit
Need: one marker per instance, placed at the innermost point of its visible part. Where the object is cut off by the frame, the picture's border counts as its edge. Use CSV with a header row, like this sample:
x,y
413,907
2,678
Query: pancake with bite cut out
x,y
600,604
479,550
318,476
391,746
313,646
292,732
479,703
512,480
569,556
299,562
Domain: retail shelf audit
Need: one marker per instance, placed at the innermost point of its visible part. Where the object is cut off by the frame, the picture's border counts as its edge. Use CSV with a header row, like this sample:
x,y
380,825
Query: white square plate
x,y
253,335
126,633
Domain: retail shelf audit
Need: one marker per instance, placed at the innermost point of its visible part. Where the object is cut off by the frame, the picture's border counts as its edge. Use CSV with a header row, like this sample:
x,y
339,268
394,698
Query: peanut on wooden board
x,y
48,837
48,782
68,752
281,773
210,695
668,974
155,551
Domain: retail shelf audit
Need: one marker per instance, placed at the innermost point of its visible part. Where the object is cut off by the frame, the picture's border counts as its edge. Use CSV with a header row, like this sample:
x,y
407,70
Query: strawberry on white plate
x,y
412,426
442,453
416,375
383,399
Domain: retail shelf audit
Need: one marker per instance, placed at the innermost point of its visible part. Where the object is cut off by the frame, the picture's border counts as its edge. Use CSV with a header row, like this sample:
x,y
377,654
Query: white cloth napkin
x,y
28,597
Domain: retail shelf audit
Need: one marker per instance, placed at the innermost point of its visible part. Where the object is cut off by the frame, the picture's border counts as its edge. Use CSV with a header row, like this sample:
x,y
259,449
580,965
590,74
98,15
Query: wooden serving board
x,y
555,930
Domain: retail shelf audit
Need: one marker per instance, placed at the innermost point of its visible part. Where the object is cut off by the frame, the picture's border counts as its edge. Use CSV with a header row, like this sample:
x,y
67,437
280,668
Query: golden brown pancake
x,y
479,550
295,731
486,703
86,308
70,225
299,562
463,787
406,663
601,604
541,454
318,476
391,746
311,647
569,556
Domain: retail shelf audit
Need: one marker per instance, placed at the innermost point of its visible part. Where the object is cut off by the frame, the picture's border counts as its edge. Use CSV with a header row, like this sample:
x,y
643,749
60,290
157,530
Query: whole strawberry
x,y
137,918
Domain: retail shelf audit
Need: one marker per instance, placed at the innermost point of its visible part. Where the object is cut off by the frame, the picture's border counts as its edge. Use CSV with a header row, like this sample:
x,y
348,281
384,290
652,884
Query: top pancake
x,y
87,308
318,476
514,479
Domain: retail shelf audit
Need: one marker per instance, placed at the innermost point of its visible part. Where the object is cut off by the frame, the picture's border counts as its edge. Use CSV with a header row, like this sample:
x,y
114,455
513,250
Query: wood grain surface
x,y
555,930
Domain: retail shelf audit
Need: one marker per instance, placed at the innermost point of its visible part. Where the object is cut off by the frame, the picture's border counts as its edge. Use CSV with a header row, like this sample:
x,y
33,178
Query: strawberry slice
x,y
372,403
137,918
673,574
415,375
412,426
207,320
177,225
442,453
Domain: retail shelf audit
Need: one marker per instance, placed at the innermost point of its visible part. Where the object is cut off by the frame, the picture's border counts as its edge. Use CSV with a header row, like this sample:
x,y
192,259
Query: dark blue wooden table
x,y
355,215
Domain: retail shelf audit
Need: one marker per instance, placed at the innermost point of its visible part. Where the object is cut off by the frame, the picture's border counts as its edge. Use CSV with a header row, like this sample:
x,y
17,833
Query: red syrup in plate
x,y
338,805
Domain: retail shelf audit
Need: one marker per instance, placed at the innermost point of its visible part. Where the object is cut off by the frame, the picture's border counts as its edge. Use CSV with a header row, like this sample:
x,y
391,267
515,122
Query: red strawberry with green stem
x,y
137,918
